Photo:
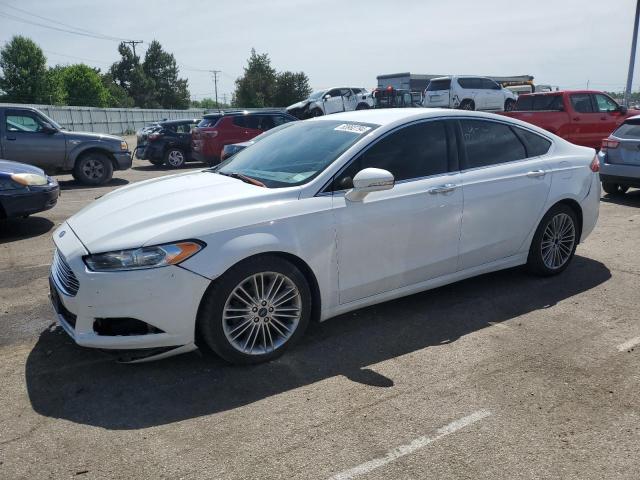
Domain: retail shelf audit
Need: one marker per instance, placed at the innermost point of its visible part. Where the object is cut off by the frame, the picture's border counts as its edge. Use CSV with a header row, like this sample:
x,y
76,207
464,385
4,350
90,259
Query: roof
x,y
243,112
415,76
177,122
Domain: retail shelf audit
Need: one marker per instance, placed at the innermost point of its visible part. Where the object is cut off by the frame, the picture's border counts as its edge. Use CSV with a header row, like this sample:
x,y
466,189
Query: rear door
x,y
586,125
472,90
492,93
504,190
24,140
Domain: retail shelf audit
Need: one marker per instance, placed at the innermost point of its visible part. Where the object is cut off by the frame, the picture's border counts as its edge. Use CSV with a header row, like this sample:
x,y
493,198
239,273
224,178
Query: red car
x,y
583,117
219,129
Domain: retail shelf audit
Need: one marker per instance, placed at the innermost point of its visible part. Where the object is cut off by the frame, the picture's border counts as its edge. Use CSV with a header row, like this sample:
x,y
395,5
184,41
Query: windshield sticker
x,y
353,128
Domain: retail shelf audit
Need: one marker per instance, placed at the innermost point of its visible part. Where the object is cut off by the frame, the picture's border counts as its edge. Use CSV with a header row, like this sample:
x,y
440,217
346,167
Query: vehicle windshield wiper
x,y
244,178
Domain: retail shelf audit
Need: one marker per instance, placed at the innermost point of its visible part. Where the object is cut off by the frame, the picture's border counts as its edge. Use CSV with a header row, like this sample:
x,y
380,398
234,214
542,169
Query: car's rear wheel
x,y
362,106
316,112
93,168
175,158
554,242
467,105
509,104
614,188
255,311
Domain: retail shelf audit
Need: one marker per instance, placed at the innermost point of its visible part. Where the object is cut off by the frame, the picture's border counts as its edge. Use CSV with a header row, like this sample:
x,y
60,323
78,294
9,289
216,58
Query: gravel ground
x,y
502,376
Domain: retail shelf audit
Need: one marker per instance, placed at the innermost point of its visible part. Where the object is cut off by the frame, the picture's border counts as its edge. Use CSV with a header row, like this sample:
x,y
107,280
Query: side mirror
x,y
48,128
623,110
327,96
369,180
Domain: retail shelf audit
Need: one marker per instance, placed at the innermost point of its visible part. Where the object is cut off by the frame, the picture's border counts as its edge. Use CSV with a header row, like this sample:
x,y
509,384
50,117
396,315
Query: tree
x,y
160,68
55,86
208,103
24,72
130,76
257,86
83,86
291,88
117,96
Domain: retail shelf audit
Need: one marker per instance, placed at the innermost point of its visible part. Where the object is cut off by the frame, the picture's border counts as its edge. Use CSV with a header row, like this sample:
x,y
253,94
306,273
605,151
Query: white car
x,y
468,93
332,100
326,216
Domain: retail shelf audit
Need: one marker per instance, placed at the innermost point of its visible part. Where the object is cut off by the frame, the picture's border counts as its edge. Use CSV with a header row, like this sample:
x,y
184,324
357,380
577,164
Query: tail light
x,y
608,143
595,164
154,136
211,134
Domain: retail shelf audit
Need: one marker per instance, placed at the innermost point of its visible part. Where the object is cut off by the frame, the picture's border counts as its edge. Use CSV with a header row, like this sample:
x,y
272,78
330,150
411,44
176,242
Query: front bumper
x,y
31,200
165,298
123,159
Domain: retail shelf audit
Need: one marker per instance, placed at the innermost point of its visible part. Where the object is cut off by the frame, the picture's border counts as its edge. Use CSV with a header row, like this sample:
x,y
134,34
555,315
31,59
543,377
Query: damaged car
x,y
332,100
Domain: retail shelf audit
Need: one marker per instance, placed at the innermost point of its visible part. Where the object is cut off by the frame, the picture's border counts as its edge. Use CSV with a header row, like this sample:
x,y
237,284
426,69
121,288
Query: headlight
x,y
29,179
123,145
144,257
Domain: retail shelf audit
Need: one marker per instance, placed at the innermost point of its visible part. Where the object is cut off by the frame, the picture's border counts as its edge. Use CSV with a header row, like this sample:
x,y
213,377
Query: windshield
x,y
317,95
296,154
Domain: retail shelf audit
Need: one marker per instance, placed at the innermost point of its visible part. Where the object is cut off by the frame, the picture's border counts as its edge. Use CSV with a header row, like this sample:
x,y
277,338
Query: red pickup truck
x,y
583,117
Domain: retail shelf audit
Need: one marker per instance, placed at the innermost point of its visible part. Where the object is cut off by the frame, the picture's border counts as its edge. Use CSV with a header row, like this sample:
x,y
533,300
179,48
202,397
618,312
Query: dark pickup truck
x,y
583,117
29,136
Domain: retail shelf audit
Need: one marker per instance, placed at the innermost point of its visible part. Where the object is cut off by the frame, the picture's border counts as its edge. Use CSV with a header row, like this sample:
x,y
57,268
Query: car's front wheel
x,y
93,168
467,105
509,104
255,311
554,242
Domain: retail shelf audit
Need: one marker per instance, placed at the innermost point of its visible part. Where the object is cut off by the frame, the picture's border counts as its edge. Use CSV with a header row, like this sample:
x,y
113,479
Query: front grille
x,y
64,277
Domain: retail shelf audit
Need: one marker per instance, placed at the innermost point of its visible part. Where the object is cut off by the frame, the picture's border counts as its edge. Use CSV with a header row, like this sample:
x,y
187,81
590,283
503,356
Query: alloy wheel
x,y
175,158
93,169
262,313
558,241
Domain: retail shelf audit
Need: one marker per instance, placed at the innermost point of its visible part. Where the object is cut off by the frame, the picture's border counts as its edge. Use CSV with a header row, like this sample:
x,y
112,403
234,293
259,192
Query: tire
x,y
93,168
175,158
250,334
362,106
509,104
614,188
316,112
555,241
467,105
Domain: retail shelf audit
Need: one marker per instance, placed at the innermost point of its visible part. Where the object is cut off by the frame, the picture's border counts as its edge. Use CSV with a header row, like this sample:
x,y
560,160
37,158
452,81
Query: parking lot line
x,y
629,344
416,444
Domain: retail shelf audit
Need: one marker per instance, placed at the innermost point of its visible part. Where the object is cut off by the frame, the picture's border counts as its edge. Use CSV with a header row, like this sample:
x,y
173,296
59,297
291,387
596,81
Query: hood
x,y
7,166
301,104
166,209
84,136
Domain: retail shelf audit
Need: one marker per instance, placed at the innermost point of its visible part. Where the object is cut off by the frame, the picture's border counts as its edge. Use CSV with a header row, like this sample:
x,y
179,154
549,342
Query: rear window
x,y
209,121
530,103
628,130
490,143
439,85
534,143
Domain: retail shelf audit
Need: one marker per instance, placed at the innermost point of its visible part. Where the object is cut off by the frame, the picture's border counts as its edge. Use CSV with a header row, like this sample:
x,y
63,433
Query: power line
x,y
98,36
215,82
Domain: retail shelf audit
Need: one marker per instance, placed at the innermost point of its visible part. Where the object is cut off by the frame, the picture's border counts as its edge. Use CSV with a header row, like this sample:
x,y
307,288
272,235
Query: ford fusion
x,y
323,217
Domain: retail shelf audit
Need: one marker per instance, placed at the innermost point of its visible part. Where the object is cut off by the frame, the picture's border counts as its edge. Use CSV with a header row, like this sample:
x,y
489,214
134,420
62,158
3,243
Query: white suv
x,y
332,100
468,93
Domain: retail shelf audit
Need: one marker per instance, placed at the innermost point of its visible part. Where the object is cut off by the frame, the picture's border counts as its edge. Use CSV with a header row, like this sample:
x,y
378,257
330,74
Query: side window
x,y
534,143
605,104
581,102
184,128
253,121
265,122
490,143
356,90
466,82
22,122
413,152
240,121
334,93
488,84
279,120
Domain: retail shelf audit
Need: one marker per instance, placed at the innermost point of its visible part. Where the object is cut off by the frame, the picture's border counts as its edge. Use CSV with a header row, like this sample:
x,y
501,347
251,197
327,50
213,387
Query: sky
x,y
569,43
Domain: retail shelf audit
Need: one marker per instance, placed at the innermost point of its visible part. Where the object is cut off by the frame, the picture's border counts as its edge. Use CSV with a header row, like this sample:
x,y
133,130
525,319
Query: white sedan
x,y
326,216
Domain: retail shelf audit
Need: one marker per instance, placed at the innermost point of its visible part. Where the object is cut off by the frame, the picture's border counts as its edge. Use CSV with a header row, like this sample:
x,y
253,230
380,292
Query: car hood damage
x,y
155,211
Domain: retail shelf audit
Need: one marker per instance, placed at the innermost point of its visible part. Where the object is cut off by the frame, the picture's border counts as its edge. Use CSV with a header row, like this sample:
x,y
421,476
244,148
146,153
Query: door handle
x,y
536,173
11,138
446,188
576,119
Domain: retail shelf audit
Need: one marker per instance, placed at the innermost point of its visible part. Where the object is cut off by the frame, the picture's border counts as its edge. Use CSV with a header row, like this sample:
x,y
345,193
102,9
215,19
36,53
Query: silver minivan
x,y
468,93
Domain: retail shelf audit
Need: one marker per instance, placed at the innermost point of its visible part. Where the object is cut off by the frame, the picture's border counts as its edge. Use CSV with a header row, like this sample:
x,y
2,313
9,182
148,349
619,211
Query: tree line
x,y
149,82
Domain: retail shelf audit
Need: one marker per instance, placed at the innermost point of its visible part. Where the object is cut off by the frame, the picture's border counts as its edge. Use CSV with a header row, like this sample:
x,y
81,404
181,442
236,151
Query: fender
x,y
76,149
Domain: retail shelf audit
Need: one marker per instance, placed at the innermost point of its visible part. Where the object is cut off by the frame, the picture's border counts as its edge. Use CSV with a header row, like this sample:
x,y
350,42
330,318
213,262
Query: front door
x,y
25,140
586,124
333,101
406,235
504,191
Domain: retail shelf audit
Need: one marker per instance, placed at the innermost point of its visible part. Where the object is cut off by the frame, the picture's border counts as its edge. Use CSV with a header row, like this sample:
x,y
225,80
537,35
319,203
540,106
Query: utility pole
x,y
632,60
215,83
133,44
